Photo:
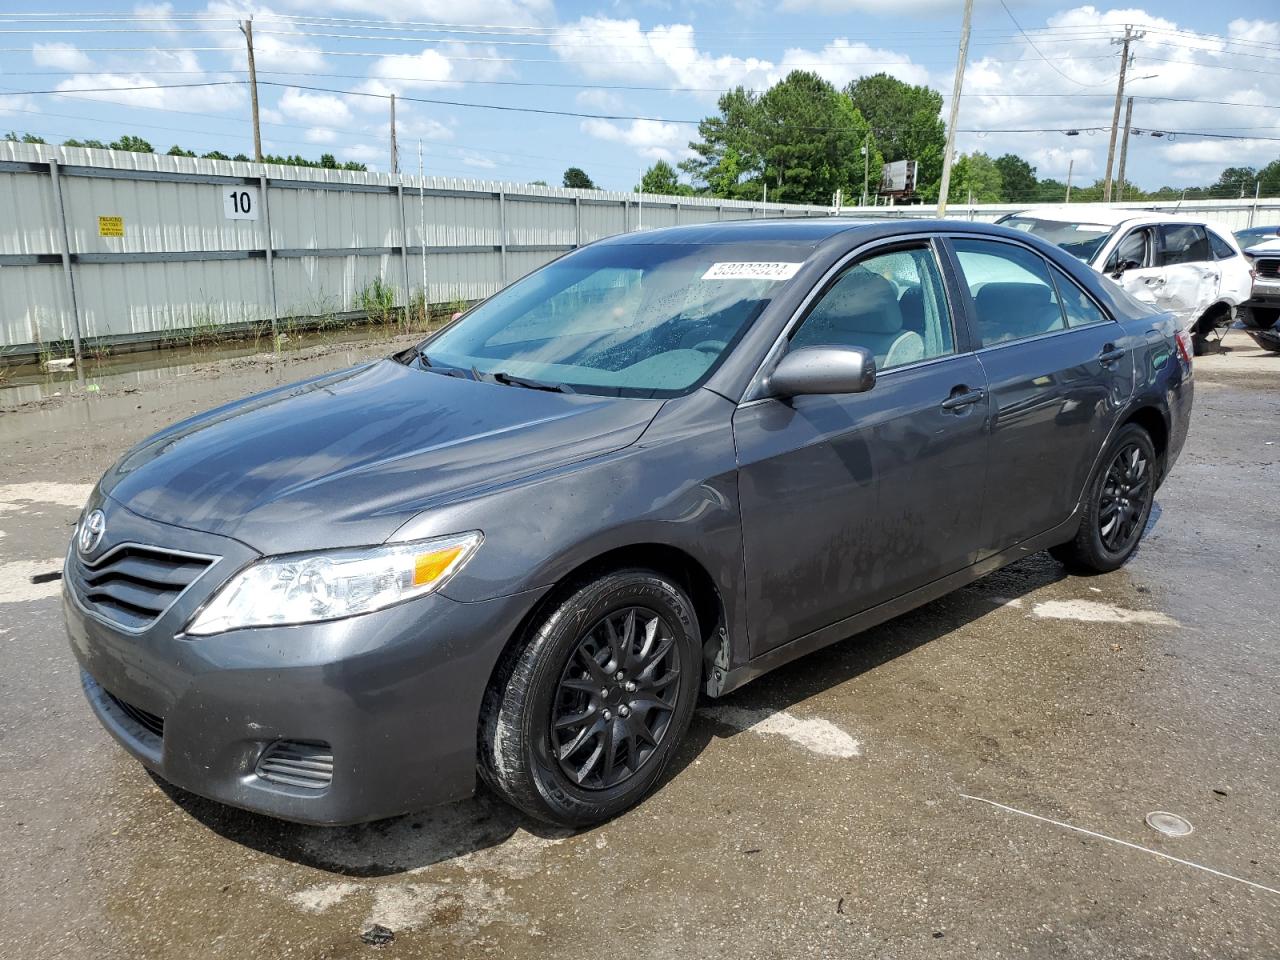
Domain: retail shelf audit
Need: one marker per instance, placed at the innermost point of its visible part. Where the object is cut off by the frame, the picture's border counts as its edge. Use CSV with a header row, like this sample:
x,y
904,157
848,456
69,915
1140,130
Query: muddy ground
x,y
911,792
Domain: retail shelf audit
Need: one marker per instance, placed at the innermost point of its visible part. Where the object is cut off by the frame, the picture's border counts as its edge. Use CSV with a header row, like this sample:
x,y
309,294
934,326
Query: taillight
x,y
1184,346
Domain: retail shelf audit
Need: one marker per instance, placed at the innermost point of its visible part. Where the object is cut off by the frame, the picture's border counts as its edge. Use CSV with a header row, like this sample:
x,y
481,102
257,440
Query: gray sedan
x,y
660,466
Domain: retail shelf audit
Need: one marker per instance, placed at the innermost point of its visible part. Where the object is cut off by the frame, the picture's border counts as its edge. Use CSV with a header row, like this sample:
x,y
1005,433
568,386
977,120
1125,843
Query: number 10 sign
x,y
240,203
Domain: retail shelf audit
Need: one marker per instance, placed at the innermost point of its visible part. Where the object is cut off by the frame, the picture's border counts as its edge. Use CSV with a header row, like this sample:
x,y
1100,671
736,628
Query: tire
x,y
1099,546
549,712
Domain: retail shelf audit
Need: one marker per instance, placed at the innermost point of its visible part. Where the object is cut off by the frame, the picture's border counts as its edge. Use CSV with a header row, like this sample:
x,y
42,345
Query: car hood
x,y
347,458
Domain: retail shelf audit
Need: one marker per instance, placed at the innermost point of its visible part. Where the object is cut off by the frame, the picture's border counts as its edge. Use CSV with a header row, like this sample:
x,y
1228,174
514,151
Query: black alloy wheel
x,y
1116,505
616,698
588,706
1125,492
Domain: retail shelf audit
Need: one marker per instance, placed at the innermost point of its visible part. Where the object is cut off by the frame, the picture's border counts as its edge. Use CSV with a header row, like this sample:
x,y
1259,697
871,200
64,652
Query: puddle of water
x,y
29,382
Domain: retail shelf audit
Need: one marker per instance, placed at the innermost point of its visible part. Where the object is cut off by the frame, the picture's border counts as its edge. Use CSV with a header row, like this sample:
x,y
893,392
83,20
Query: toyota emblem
x,y
91,530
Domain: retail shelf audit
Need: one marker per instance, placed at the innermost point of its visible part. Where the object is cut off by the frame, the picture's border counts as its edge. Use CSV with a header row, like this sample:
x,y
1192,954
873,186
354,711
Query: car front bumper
x,y
395,694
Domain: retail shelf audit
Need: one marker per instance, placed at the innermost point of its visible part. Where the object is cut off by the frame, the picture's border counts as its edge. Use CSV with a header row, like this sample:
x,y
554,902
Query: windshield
x,y
633,319
1081,240
1255,235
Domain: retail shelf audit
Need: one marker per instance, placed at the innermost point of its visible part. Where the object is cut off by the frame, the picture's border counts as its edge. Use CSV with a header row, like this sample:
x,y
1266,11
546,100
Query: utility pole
x,y
1129,37
949,154
246,27
866,161
395,154
1124,147
1071,166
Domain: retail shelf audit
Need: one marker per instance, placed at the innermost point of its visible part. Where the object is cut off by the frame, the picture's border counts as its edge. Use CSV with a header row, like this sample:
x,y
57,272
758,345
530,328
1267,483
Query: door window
x,y
892,304
1132,249
1183,243
1013,294
1081,311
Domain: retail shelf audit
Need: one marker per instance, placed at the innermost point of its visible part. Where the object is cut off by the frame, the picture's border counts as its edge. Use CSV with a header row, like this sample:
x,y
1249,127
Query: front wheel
x,y
1117,505
585,714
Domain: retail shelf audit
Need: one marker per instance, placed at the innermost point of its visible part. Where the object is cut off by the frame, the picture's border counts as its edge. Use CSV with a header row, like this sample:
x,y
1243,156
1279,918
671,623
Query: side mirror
x,y
823,370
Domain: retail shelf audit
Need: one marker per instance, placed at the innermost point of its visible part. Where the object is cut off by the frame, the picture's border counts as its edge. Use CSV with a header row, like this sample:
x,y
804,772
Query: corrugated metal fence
x,y
117,247
126,247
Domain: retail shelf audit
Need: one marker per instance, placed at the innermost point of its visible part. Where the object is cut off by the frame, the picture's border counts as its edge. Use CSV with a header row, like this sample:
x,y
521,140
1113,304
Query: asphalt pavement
x,y
969,780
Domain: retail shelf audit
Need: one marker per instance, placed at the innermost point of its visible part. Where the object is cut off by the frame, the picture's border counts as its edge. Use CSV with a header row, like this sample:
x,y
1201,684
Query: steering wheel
x,y
711,346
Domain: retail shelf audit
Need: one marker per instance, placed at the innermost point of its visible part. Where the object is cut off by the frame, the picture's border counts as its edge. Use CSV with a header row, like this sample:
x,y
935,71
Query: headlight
x,y
309,587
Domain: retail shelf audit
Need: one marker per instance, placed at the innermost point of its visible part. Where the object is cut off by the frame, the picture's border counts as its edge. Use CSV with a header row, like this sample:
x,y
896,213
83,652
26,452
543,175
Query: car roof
x,y
1108,216
807,232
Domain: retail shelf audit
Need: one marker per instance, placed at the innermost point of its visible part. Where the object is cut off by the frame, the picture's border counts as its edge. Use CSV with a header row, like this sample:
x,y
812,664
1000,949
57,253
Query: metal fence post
x,y
404,251
719,212
263,186
66,269
577,221
502,220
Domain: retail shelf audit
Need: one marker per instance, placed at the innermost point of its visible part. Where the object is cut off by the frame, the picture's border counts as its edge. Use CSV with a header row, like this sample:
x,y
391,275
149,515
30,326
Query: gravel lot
x,y
967,780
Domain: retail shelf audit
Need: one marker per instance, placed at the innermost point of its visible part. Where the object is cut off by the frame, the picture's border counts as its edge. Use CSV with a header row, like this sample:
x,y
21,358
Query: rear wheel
x,y
585,715
1117,506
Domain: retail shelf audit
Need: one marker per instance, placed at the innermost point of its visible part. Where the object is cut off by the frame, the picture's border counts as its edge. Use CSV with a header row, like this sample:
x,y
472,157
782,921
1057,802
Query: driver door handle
x,y
1110,354
962,397
1154,281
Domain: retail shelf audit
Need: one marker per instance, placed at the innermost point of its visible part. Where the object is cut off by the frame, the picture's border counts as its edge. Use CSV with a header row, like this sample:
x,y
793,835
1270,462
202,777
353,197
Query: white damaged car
x,y
1191,268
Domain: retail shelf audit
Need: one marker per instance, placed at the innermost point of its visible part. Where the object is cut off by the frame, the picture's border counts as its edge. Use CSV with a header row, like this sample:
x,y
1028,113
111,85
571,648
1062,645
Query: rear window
x,y
1079,238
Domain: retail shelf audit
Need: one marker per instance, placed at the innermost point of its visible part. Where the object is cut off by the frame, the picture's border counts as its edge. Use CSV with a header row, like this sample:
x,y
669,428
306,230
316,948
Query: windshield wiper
x,y
511,380
433,367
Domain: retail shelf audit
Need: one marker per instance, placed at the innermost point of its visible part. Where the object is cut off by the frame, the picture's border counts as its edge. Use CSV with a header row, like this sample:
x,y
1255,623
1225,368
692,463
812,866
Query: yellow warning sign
x,y
111,226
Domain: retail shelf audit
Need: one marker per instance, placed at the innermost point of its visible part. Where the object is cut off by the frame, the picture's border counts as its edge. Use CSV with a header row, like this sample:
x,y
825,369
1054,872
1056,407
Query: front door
x,y
849,501
1059,371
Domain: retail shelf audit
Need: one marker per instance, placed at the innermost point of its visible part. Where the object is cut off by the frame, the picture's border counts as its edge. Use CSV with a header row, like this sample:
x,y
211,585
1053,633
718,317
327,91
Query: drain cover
x,y
1170,824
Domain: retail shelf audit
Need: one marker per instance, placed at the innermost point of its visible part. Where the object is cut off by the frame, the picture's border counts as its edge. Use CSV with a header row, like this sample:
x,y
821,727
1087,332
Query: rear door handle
x,y
962,397
1110,354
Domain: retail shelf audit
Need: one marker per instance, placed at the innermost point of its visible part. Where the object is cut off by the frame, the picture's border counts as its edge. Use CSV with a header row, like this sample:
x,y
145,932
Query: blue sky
x,y
641,68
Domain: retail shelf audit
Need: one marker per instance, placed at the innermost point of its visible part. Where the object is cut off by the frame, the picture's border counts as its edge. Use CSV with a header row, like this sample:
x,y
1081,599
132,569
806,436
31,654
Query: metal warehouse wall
x,y
114,246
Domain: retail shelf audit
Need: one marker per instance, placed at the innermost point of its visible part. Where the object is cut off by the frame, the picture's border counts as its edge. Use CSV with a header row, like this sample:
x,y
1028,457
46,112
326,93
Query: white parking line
x,y
1123,843
18,496
16,585
813,733
1091,611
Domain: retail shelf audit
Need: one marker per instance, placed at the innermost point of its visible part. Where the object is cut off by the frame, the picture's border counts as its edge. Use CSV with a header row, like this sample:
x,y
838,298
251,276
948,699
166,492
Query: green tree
x,y
328,161
577,178
132,144
25,138
215,155
537,183
89,144
1235,182
907,124
1269,179
177,151
975,175
802,138
1017,179
663,178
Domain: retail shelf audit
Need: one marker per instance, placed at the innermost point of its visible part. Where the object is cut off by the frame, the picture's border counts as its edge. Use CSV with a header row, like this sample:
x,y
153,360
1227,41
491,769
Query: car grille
x,y
297,763
133,585
149,722
1269,268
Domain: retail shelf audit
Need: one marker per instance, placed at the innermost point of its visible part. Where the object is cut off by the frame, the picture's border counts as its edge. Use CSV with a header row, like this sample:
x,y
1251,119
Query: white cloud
x,y
371,156
321,109
472,159
277,44
596,99
652,139
1184,64
320,135
901,8
603,48
434,67
60,56
496,12
151,89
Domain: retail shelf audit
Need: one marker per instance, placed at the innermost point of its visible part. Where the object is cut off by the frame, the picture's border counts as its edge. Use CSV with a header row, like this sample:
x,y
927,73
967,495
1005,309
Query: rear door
x,y
1187,279
1059,371
1235,284
851,500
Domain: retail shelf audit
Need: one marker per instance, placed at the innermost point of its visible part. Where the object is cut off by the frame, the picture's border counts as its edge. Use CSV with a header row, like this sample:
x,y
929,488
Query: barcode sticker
x,y
752,271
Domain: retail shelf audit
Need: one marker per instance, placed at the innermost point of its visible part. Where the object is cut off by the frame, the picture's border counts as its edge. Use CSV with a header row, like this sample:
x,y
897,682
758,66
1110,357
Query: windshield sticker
x,y
752,271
